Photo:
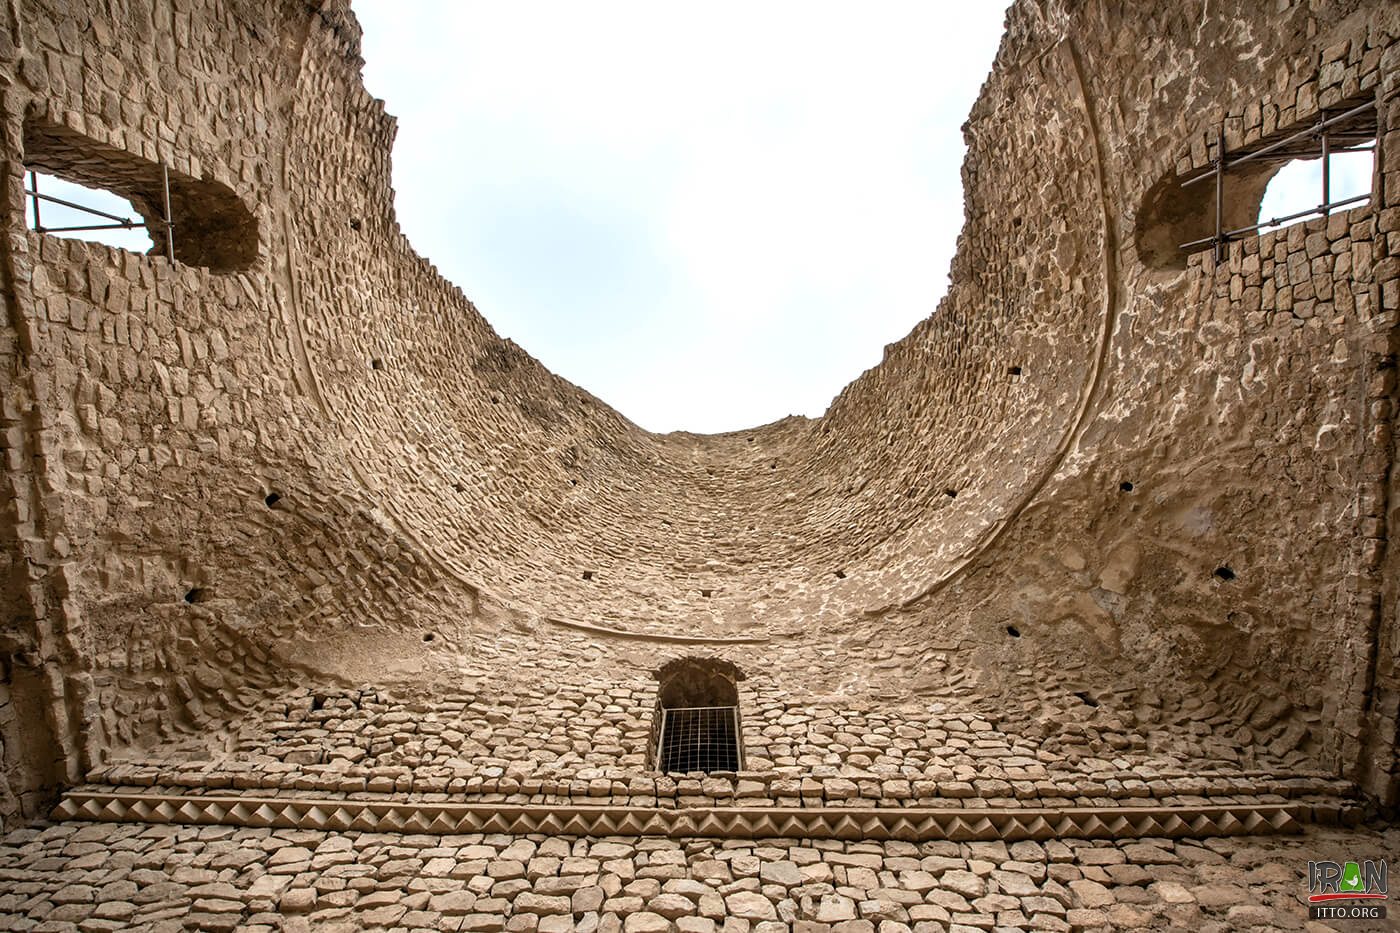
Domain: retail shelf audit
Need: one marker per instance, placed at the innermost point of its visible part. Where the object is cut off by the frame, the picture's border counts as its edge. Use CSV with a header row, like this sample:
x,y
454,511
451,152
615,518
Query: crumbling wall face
x,y
1380,593
527,487
1299,324
30,766
156,422
42,683
1246,403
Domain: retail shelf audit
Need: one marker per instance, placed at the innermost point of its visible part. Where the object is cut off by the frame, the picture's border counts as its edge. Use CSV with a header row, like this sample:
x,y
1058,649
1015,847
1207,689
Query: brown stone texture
x,y
104,876
286,516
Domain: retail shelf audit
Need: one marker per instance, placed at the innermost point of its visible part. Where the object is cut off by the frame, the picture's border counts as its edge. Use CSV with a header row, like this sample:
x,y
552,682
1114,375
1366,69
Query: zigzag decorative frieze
x,y
907,824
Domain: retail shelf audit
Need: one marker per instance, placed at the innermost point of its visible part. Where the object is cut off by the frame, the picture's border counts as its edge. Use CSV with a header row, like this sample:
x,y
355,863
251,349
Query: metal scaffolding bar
x,y
126,226
119,222
1332,149
34,184
1326,176
1320,209
1220,193
169,224
34,193
1300,134
1353,139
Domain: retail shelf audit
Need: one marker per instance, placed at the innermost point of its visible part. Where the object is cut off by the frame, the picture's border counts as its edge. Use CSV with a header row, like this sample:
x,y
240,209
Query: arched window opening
x,y
79,186
66,209
697,717
1234,197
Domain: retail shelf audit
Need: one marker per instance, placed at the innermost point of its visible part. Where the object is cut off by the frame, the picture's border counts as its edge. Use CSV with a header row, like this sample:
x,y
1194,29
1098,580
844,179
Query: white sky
x,y
710,217
1298,185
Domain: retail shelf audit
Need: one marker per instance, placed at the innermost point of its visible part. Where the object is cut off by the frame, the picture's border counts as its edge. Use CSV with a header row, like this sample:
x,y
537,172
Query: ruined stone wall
x,y
219,879
1248,403
230,482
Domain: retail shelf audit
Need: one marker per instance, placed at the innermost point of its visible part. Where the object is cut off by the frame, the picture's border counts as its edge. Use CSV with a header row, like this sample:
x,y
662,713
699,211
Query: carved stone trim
x,y
733,823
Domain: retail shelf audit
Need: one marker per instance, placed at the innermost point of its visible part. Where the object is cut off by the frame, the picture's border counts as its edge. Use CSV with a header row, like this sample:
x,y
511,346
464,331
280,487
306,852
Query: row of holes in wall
x,y
1223,572
840,574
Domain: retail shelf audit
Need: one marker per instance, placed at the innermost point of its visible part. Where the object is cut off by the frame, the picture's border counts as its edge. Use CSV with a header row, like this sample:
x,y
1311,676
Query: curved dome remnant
x,y
1021,507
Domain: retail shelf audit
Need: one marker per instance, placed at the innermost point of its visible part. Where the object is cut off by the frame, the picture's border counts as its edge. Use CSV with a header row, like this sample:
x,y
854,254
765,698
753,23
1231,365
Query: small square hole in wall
x,y
1013,371
840,574
588,575
376,364
707,593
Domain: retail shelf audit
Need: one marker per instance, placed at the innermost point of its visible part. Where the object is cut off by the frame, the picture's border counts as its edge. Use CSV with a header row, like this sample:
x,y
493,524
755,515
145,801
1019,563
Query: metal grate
x,y
1354,129
699,738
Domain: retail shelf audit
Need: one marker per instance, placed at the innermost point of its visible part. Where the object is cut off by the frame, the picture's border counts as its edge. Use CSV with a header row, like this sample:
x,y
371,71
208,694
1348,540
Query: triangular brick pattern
x,y
905,824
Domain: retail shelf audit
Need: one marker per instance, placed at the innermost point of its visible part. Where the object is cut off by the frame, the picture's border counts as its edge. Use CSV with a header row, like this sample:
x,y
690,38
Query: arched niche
x,y
696,725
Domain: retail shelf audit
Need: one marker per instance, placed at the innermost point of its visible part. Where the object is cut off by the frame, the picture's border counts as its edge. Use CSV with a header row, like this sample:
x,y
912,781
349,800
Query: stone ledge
x,y
907,824
745,790
624,788
595,628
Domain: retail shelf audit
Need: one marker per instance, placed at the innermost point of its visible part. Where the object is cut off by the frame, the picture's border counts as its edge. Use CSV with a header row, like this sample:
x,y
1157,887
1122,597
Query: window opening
x,y
90,219
57,201
1346,176
72,182
1351,130
697,726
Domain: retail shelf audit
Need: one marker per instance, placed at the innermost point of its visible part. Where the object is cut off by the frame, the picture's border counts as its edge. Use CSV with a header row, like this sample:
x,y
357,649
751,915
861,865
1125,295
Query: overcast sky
x,y
709,216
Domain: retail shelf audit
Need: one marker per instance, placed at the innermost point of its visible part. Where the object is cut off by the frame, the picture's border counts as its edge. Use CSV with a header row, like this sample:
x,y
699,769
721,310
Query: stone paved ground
x,y
98,877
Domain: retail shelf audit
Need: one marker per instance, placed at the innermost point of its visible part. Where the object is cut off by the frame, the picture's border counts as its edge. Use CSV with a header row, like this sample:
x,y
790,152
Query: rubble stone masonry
x,y
324,607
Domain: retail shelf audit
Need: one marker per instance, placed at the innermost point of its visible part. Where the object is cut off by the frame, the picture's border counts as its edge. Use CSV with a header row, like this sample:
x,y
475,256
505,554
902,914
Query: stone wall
x,y
166,878
224,485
